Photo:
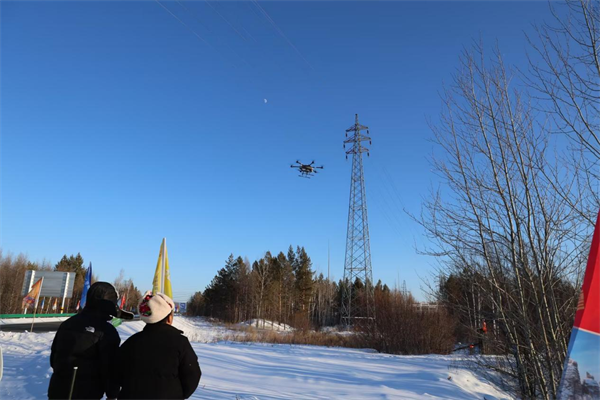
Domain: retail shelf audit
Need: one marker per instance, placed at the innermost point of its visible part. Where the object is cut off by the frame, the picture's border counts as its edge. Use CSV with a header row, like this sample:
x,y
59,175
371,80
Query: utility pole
x,y
357,264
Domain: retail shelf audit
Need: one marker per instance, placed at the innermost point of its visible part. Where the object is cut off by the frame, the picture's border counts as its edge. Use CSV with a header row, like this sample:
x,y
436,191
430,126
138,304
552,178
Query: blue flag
x,y
86,285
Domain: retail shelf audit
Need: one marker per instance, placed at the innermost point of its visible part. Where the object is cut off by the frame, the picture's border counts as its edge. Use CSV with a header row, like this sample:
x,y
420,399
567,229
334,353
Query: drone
x,y
306,170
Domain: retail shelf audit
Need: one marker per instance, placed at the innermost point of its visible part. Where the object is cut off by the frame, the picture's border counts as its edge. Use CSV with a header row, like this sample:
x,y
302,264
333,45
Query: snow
x,y
254,371
266,324
590,382
337,330
9,321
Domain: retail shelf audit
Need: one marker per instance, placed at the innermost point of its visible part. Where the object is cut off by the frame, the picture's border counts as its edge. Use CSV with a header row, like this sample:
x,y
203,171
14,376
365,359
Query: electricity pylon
x,y
357,305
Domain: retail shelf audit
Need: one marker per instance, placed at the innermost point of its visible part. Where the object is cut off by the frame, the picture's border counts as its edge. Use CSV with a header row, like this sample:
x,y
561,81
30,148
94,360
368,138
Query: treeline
x,y
281,288
285,289
12,275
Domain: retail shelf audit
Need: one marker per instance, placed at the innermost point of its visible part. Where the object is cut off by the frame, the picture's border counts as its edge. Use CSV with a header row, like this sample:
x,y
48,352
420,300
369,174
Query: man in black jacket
x,y
90,343
158,362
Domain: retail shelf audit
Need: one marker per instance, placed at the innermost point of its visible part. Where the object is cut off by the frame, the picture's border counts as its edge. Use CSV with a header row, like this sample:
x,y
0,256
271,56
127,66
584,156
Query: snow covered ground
x,y
29,320
250,371
265,324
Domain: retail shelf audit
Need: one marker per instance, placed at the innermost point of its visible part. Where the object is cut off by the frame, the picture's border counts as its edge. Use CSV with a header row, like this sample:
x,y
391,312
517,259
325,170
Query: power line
x,y
183,23
268,17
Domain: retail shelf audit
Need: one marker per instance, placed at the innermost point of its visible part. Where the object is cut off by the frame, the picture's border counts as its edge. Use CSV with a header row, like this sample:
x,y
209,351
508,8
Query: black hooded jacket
x,y
158,363
88,341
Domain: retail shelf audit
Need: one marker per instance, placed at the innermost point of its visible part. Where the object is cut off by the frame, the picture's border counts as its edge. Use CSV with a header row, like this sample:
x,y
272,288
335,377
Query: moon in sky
x,y
265,100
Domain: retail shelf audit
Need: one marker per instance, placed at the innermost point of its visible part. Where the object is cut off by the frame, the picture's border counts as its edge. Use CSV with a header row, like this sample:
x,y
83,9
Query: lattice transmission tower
x,y
357,305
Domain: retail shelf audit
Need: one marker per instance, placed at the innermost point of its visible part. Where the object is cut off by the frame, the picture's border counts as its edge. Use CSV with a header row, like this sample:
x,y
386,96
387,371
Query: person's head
x,y
102,300
156,308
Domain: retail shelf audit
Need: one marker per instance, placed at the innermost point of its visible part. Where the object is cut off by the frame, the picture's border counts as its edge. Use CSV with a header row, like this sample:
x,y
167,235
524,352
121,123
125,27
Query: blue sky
x,y
121,124
584,350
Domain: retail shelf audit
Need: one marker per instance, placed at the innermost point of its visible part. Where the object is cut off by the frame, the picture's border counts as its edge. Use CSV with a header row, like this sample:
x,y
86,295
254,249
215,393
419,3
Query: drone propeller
x,y
312,162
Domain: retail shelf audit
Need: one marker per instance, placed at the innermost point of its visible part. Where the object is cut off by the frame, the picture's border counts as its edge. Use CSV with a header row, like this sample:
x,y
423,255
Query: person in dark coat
x,y
90,343
158,362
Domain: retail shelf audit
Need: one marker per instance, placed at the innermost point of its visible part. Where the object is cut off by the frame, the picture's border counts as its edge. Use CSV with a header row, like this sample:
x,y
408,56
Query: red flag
x,y
588,307
582,365
123,301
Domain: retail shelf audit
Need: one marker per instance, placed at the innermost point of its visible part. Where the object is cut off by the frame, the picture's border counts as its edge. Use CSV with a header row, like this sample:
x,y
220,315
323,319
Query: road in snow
x,y
264,371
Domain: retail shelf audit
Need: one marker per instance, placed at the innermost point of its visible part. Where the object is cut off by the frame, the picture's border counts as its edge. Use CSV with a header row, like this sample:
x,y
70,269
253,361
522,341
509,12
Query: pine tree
x,y
288,280
73,264
220,295
304,281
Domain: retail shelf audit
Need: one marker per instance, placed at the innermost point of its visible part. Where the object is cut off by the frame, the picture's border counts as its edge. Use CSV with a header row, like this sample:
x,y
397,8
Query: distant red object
x,y
484,327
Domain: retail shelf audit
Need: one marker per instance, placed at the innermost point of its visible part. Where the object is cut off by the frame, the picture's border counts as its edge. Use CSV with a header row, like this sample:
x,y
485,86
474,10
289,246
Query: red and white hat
x,y
155,307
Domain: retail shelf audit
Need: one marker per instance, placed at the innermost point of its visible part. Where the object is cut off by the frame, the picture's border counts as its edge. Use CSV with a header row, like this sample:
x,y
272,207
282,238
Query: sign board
x,y
182,308
56,283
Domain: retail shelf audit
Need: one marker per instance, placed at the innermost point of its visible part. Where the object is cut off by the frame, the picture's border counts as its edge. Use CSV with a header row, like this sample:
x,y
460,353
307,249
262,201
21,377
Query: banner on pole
x,y
162,275
86,285
32,297
581,371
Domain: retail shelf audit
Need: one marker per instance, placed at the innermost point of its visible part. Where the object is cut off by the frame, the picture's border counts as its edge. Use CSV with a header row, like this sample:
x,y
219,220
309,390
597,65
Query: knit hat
x,y
155,307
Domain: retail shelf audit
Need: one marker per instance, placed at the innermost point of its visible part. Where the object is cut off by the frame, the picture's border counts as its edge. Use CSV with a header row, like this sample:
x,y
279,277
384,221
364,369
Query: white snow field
x,y
251,371
266,325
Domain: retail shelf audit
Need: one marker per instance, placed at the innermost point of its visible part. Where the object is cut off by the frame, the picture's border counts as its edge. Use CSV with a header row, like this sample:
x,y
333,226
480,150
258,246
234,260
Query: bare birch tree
x,y
564,75
498,216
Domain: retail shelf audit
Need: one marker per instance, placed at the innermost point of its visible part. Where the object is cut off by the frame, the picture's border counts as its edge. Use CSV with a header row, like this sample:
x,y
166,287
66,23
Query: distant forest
x,y
281,288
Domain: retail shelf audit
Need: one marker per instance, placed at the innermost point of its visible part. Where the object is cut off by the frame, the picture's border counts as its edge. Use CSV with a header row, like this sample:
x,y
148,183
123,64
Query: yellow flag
x,y
162,276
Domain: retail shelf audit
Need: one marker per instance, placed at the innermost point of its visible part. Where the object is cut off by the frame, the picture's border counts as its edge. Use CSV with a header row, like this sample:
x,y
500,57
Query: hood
x,y
102,300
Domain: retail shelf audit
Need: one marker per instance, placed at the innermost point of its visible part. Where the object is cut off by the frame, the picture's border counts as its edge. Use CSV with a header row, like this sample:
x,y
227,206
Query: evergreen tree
x,y
304,280
288,280
195,306
73,264
220,295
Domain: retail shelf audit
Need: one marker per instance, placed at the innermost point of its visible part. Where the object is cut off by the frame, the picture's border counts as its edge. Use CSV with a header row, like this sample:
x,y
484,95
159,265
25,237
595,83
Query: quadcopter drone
x,y
306,170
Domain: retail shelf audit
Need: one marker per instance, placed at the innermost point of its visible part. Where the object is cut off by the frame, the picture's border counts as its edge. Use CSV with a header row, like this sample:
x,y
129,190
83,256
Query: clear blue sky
x,y
120,125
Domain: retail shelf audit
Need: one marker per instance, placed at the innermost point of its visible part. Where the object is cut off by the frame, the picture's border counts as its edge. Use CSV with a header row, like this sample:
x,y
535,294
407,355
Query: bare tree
x,y
12,274
564,74
496,215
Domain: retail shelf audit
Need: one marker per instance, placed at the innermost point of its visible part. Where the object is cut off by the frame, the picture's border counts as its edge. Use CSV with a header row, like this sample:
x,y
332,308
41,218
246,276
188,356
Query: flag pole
x,y
37,298
164,251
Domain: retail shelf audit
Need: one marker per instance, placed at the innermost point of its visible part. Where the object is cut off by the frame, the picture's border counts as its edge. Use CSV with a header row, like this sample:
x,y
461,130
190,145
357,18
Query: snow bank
x,y
9,321
200,330
266,324
251,371
195,329
337,330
